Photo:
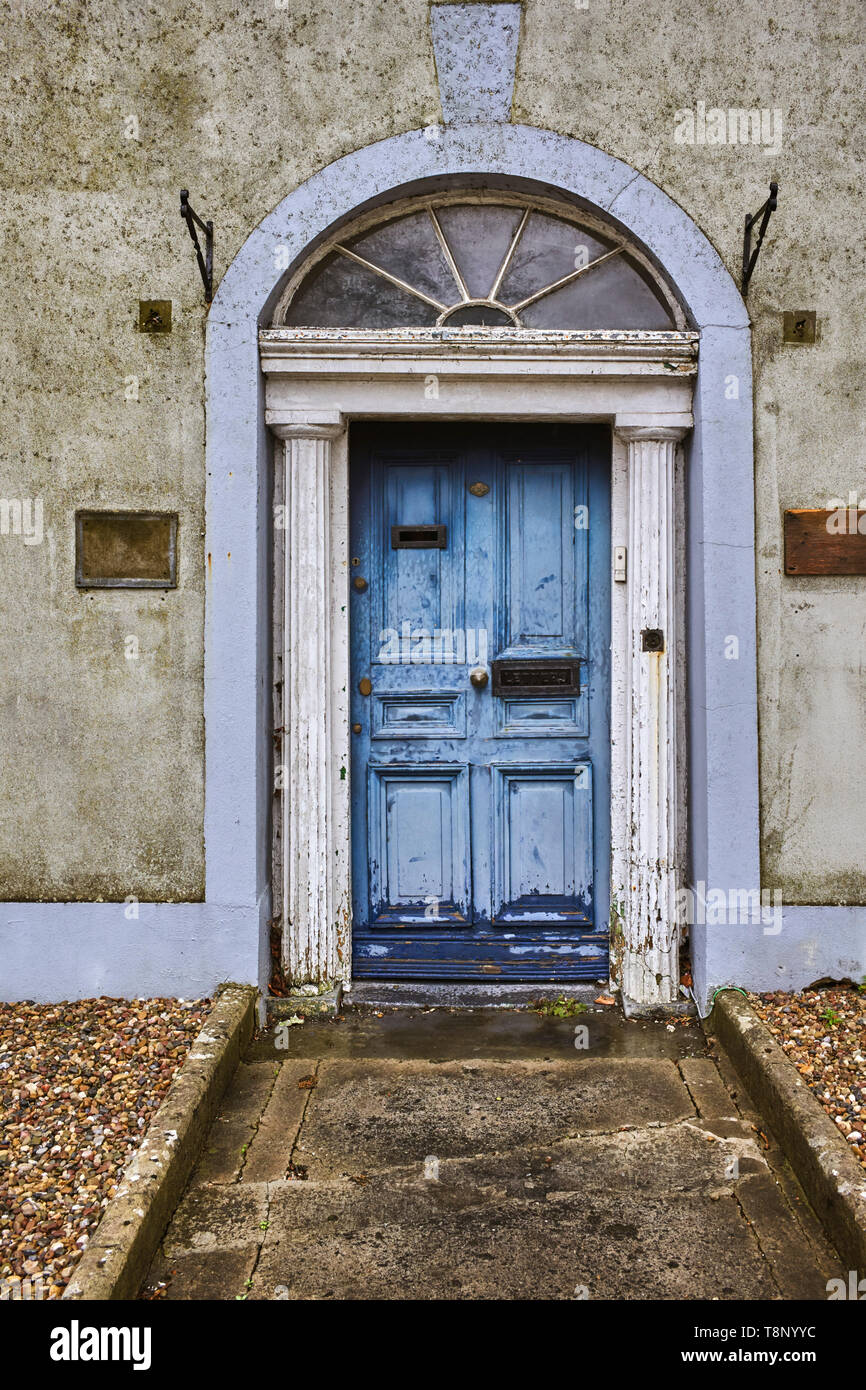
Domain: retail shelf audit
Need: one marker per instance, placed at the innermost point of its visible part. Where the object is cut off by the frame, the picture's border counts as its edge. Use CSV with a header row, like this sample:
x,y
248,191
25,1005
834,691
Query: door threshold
x,y
455,994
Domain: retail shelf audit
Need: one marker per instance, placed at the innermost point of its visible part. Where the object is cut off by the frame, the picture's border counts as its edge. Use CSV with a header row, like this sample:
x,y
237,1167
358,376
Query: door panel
x,y
528,718
541,558
480,814
418,843
543,843
419,590
427,714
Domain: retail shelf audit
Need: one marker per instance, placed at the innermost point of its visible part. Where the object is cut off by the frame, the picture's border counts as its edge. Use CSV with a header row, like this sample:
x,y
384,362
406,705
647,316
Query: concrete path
x,y
480,1154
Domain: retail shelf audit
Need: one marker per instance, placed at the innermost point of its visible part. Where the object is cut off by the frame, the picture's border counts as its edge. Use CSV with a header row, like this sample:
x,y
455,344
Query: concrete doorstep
x,y
484,1154
118,1257
832,1178
533,1162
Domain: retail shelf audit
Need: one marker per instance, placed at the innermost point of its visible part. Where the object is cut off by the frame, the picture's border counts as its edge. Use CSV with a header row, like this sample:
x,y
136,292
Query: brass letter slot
x,y
419,537
559,676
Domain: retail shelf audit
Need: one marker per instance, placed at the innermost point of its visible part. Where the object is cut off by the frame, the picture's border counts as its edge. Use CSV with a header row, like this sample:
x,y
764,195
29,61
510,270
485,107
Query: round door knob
x,y
479,677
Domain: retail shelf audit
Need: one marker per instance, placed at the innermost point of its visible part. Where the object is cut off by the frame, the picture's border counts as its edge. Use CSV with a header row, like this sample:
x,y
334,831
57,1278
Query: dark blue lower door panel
x,y
479,701
558,955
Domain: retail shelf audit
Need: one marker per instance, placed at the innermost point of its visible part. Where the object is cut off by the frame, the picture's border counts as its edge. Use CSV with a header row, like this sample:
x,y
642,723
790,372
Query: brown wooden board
x,y
820,541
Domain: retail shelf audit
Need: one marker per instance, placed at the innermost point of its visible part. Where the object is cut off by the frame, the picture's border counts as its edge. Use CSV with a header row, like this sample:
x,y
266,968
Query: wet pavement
x,y
486,1154
454,1033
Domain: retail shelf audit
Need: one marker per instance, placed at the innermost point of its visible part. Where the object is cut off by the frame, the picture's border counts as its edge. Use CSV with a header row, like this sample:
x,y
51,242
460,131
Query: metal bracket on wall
x,y
750,256
205,262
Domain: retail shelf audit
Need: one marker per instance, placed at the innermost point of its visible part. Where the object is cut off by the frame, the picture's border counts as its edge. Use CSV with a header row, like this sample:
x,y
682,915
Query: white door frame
x,y
317,382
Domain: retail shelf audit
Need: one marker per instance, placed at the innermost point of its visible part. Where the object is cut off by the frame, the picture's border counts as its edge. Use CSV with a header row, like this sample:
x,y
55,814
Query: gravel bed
x,y
79,1083
823,1031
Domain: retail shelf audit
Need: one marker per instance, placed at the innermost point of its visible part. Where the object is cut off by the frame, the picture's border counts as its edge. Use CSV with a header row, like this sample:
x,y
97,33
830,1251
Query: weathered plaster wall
x,y
627,67
110,111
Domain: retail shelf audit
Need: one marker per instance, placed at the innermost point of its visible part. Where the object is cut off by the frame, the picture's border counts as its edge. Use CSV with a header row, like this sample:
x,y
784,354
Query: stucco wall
x,y
104,782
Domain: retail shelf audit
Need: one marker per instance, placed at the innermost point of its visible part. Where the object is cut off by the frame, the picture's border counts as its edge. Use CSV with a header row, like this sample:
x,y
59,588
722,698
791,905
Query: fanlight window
x,y
475,263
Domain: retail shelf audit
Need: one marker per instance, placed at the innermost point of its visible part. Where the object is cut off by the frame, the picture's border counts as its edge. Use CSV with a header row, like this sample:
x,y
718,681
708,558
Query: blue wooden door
x,y
480,620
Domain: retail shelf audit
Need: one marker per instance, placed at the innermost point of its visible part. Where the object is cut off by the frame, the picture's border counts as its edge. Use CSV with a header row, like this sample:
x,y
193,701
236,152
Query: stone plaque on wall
x,y
125,550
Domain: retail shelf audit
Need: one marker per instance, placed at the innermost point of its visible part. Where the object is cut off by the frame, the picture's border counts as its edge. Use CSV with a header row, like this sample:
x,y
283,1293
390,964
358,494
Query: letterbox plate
x,y
419,537
556,676
126,550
